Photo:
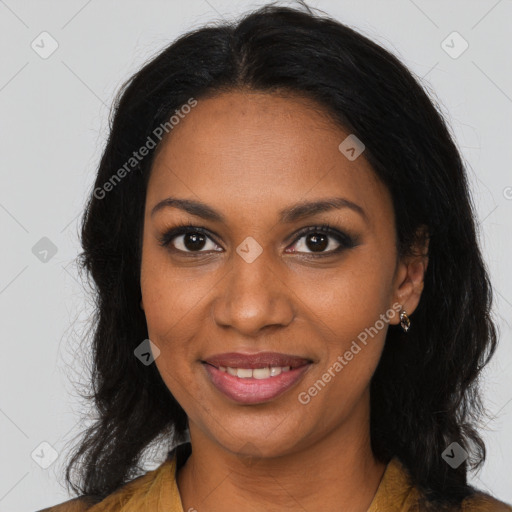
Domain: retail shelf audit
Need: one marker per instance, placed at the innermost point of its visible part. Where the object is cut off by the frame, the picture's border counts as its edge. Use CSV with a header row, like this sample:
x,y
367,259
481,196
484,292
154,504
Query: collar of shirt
x,y
158,491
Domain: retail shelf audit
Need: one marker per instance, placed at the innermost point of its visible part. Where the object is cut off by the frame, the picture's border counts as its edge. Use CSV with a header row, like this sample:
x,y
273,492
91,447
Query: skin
x,y
248,155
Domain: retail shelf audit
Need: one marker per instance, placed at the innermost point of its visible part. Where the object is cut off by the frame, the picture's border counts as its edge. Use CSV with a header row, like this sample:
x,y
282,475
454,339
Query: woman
x,y
281,210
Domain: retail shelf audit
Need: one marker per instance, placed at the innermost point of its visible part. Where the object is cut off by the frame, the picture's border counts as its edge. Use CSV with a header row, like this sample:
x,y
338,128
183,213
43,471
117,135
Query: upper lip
x,y
258,360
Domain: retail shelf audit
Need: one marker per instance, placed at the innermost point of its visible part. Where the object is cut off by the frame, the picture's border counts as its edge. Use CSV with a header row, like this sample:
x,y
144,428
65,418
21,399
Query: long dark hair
x,y
424,393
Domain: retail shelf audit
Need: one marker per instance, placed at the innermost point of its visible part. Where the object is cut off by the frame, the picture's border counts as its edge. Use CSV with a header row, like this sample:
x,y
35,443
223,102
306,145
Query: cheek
x,y
349,298
171,296
176,375
173,327
350,310
170,308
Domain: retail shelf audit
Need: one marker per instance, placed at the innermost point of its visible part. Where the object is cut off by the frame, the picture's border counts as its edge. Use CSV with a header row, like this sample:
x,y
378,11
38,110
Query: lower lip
x,y
252,391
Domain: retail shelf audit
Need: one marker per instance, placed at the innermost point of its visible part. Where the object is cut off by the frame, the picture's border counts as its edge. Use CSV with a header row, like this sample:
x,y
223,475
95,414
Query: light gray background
x,y
54,115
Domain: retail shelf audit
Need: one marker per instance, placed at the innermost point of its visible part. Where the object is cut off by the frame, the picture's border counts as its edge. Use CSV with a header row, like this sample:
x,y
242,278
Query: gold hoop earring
x,y
404,320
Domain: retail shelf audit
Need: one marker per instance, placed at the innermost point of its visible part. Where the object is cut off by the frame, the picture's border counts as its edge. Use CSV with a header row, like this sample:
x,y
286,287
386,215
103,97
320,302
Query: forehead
x,y
240,149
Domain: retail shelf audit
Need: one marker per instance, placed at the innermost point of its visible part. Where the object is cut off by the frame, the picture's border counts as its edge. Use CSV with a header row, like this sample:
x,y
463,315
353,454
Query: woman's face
x,y
251,283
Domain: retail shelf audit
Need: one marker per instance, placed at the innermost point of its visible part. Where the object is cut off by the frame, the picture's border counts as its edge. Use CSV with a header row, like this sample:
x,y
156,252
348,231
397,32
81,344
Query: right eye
x,y
187,239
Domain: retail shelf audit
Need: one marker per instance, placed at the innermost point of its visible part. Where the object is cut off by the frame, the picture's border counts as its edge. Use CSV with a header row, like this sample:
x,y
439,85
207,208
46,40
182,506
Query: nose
x,y
253,296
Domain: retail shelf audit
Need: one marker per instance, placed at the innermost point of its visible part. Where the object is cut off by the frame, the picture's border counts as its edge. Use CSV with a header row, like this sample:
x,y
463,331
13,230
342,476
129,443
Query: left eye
x,y
317,241
191,239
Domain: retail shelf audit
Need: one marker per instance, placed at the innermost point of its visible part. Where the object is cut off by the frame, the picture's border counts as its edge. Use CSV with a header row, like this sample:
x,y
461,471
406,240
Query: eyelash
x,y
345,240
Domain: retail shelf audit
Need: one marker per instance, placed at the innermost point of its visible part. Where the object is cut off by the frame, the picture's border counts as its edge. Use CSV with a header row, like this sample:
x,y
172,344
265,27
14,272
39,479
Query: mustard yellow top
x,y
157,491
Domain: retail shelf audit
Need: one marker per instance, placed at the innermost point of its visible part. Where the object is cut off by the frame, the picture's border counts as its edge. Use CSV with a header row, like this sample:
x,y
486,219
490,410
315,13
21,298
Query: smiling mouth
x,y
254,385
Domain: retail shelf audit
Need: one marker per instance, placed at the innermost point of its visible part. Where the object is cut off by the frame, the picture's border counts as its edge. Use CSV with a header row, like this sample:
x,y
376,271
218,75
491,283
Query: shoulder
x,y
482,502
133,495
397,488
74,505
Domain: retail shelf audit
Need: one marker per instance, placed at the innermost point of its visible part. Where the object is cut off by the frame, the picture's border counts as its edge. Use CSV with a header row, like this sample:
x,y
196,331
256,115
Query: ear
x,y
409,277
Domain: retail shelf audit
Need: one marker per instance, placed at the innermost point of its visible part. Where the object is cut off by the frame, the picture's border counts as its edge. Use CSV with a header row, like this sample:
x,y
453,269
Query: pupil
x,y
315,238
194,241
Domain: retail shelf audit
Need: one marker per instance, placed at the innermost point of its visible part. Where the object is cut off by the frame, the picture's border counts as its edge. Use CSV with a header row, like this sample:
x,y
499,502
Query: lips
x,y
250,391
258,360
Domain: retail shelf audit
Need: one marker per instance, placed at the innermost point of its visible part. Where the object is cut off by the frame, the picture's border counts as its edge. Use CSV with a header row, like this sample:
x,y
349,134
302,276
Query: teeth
x,y
262,373
275,370
256,373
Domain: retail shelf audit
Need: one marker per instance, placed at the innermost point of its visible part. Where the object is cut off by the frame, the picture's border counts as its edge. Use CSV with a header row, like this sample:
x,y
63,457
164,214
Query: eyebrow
x,y
289,214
